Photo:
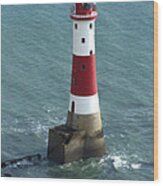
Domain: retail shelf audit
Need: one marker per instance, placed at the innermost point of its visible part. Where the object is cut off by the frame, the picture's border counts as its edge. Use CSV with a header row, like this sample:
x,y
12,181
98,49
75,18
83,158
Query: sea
x,y
36,62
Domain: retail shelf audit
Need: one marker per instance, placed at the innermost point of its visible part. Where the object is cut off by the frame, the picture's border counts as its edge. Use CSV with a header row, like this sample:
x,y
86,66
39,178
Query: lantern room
x,y
84,10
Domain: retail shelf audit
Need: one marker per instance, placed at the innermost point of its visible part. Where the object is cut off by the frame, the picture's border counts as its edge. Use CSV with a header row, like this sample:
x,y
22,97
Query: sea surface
x,y
36,74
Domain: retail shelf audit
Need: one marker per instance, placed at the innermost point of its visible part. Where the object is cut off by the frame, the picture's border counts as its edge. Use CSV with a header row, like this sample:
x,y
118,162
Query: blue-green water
x,y
36,74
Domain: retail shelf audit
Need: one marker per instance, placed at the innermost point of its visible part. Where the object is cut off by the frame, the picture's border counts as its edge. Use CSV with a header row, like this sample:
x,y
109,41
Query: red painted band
x,y
83,81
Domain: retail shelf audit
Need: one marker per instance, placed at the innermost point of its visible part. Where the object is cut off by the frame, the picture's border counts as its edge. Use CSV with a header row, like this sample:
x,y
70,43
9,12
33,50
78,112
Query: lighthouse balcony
x,y
91,16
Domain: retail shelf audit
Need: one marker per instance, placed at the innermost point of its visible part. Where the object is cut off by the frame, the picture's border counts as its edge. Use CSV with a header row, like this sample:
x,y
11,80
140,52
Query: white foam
x,y
135,166
118,162
122,136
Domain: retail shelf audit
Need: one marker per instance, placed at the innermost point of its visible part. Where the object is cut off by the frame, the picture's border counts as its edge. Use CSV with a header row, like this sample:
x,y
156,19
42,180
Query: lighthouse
x,y
82,135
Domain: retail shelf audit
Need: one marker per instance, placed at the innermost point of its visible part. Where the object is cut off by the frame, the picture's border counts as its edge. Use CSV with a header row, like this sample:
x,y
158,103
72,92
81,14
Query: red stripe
x,y
84,75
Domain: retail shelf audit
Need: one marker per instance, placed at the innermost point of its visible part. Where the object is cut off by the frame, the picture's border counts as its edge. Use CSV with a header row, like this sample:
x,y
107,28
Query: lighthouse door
x,y
73,107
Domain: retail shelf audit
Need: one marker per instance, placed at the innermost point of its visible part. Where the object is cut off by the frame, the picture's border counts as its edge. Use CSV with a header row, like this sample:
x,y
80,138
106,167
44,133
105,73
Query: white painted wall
x,y
83,31
85,105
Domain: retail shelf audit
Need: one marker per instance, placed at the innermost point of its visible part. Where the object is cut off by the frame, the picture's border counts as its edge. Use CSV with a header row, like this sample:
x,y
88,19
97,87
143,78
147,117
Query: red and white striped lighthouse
x,y
82,136
84,112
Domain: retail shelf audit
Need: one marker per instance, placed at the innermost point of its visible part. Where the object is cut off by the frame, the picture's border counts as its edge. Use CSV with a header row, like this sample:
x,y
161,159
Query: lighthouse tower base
x,y
66,144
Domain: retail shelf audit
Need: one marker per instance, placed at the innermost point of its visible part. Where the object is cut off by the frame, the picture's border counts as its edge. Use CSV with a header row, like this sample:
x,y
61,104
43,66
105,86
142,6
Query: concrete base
x,y
94,147
94,144
67,144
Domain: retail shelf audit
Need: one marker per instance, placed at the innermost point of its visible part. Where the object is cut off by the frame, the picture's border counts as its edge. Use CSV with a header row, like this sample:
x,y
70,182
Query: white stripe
x,y
84,104
83,31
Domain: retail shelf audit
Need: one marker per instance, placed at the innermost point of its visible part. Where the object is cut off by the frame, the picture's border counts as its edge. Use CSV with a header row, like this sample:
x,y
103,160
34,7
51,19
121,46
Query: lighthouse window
x,y
90,26
73,107
91,52
83,40
83,67
76,26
